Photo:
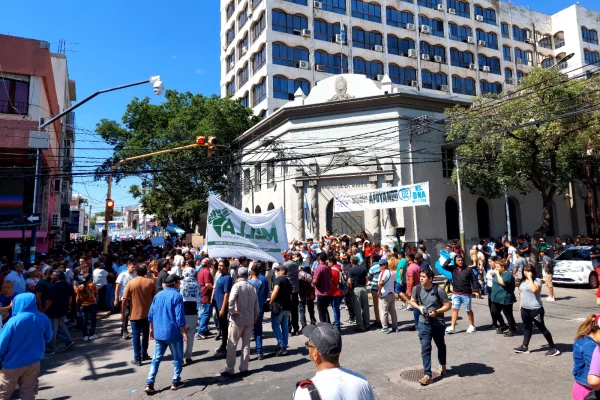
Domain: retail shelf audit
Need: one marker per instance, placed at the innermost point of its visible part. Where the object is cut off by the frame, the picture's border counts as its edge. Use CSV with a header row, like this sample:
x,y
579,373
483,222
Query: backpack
x,y
312,389
343,283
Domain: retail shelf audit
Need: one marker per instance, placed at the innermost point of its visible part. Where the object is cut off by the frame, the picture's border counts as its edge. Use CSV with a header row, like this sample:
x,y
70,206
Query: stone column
x,y
313,199
388,217
375,218
299,186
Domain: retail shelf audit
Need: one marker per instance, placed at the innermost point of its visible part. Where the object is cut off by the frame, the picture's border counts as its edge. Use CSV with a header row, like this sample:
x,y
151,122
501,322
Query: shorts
x,y
400,288
461,299
548,280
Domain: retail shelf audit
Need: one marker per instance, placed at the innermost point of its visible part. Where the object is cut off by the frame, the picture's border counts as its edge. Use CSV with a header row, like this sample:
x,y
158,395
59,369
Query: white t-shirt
x,y
123,278
99,277
178,261
338,384
513,254
388,282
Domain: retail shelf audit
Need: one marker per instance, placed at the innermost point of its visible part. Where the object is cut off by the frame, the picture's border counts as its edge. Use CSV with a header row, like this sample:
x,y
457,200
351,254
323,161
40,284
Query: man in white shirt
x,y
511,254
122,280
332,382
178,262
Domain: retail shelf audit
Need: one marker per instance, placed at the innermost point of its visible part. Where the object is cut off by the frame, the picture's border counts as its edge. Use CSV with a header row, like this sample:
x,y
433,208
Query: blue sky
x,y
110,43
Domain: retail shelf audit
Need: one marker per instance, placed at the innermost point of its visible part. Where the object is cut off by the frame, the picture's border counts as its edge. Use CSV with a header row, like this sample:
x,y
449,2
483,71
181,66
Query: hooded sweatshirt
x,y
23,338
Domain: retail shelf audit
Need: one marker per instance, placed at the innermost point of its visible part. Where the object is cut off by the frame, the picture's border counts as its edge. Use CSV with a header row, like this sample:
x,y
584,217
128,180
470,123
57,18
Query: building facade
x,y
34,84
457,48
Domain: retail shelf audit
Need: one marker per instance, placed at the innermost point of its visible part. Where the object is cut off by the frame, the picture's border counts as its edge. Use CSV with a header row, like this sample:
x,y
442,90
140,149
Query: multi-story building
x,y
270,49
34,84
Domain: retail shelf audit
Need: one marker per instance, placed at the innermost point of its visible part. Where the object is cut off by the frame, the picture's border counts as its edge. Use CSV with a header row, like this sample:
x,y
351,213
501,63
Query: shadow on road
x,y
470,369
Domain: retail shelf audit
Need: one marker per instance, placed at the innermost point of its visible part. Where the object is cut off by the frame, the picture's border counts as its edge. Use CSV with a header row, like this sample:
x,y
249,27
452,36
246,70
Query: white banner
x,y
403,196
233,233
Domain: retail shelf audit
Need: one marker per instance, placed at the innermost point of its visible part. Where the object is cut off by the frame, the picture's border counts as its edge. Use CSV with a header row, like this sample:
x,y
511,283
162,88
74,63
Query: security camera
x,y
158,85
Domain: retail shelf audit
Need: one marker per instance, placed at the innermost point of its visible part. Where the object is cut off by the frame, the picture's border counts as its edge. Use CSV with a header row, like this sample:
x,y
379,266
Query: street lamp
x,y
40,134
562,60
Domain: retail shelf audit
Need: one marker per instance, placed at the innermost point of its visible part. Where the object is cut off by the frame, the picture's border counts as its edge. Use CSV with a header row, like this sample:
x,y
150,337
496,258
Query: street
x,y
481,365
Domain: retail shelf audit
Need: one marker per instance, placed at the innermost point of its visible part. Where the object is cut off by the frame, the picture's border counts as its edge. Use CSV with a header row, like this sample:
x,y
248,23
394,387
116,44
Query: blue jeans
x,y
258,331
160,346
140,327
461,299
88,315
279,323
416,314
426,333
336,304
60,330
204,314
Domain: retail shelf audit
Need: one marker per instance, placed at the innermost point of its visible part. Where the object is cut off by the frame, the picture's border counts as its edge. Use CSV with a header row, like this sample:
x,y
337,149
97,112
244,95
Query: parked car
x,y
574,266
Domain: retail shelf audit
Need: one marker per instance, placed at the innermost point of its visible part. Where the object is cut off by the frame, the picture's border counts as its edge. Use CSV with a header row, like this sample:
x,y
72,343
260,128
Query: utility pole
x,y
591,201
38,140
90,220
461,224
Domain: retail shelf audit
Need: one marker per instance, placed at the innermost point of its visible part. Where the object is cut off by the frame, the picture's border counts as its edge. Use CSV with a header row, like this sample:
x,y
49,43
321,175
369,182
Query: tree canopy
x,y
175,185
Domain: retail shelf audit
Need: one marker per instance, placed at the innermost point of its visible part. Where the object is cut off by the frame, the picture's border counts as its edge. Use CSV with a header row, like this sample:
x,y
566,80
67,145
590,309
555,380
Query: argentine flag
x,y
444,255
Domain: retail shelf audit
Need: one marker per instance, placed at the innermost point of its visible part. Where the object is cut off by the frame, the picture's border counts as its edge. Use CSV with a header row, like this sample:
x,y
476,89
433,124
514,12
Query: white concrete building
x,y
348,135
451,47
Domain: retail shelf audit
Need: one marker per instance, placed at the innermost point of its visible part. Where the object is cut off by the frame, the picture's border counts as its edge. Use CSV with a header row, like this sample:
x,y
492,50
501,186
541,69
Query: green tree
x,y
176,185
530,140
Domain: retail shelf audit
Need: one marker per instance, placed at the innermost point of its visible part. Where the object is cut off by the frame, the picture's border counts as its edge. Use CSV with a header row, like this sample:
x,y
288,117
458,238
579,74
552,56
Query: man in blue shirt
x,y
260,283
167,328
221,299
17,278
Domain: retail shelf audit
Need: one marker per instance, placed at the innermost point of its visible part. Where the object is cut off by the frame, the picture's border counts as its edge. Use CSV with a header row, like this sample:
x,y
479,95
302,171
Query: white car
x,y
574,266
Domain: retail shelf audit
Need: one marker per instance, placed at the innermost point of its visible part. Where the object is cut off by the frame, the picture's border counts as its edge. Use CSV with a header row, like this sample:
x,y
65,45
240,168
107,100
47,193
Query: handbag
x,y
594,394
275,308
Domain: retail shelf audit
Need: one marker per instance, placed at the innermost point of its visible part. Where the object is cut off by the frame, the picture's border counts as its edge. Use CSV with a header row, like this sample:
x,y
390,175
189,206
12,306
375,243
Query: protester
x,y
374,272
548,264
57,307
586,342
280,304
400,284
190,290
258,280
42,288
206,281
292,266
17,277
100,280
336,293
164,266
357,281
503,296
307,297
223,286
86,303
387,302
6,298
497,319
464,285
122,281
413,274
322,282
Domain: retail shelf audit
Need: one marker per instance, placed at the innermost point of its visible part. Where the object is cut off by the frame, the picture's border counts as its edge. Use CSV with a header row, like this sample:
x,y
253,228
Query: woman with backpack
x,y
86,302
338,284
586,342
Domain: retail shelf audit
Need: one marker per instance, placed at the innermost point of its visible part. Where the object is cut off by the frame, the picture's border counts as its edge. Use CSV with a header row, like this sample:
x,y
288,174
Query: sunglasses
x,y
308,345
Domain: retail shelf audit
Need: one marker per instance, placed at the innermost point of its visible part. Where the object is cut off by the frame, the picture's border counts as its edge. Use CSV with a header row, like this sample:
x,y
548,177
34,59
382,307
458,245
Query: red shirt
x,y
204,277
335,281
368,251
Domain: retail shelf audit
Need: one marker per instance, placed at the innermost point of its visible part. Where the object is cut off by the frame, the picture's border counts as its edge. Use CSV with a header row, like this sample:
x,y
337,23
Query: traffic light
x,y
200,140
212,146
110,210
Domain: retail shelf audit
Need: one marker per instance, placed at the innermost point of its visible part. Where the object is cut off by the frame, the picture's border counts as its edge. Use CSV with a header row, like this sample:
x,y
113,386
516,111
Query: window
x,y
243,18
429,3
447,162
589,36
244,100
397,18
506,53
336,6
520,35
489,15
437,50
436,25
402,75
326,31
259,92
231,87
459,33
369,68
230,35
258,59
492,62
399,46
460,7
230,60
508,74
366,40
257,177
490,87
246,181
490,39
289,56
230,9
258,27
461,58
292,24
270,174
284,88
523,57
332,63
505,30
590,57
301,2
521,75
463,86
547,62
432,80
368,11
546,42
243,75
243,46
256,3
559,40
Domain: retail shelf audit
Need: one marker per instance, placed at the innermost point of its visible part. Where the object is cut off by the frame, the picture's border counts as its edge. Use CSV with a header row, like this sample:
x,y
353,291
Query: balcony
x,y
18,107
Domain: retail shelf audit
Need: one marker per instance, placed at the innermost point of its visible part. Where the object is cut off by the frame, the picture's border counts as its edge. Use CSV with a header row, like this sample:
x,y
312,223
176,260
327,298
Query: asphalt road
x,y
481,365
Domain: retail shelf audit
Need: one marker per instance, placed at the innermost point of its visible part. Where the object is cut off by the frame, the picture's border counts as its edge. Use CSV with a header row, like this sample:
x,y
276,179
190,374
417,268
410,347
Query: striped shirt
x,y
374,272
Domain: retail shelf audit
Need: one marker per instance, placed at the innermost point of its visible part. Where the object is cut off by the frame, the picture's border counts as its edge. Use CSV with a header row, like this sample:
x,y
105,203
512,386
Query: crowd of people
x,y
177,295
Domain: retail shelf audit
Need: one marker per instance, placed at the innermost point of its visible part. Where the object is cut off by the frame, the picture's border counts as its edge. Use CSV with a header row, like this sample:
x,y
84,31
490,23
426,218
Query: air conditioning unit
x,y
378,48
470,39
440,7
437,59
486,68
529,41
445,88
338,39
244,50
472,66
306,33
479,18
425,57
426,29
318,5
319,68
303,64
410,27
412,53
56,223
452,11
414,83
519,61
380,77
481,43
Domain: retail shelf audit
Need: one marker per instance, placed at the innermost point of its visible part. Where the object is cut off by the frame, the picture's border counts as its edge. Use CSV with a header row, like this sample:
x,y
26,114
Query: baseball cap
x,y
383,261
172,278
325,337
280,266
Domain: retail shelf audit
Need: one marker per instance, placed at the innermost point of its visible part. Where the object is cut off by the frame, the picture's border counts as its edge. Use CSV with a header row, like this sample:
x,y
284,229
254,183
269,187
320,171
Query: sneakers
x,y
261,356
218,337
408,307
137,362
50,353
501,330
450,330
67,347
188,361
282,352
146,357
412,328
93,337
350,322
86,338
510,333
126,336
385,330
522,350
550,298
176,385
227,374
149,389
443,371
553,352
220,352
426,380
471,329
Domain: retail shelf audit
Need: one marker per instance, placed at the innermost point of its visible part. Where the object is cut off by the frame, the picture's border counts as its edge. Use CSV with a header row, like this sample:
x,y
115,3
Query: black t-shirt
x,y
285,292
59,293
190,308
358,275
162,277
43,287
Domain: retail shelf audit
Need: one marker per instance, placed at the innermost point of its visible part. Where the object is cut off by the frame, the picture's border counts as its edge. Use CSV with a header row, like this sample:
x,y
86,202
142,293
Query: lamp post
x,y
562,60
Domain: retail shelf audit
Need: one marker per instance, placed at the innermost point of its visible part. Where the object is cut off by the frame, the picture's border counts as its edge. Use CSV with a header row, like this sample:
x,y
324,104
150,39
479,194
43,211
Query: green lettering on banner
x,y
270,236
242,227
228,227
251,234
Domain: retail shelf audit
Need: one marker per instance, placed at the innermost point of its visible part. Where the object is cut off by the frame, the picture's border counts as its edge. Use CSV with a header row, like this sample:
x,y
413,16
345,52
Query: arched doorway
x,y
483,218
257,210
270,207
515,217
452,229
350,223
